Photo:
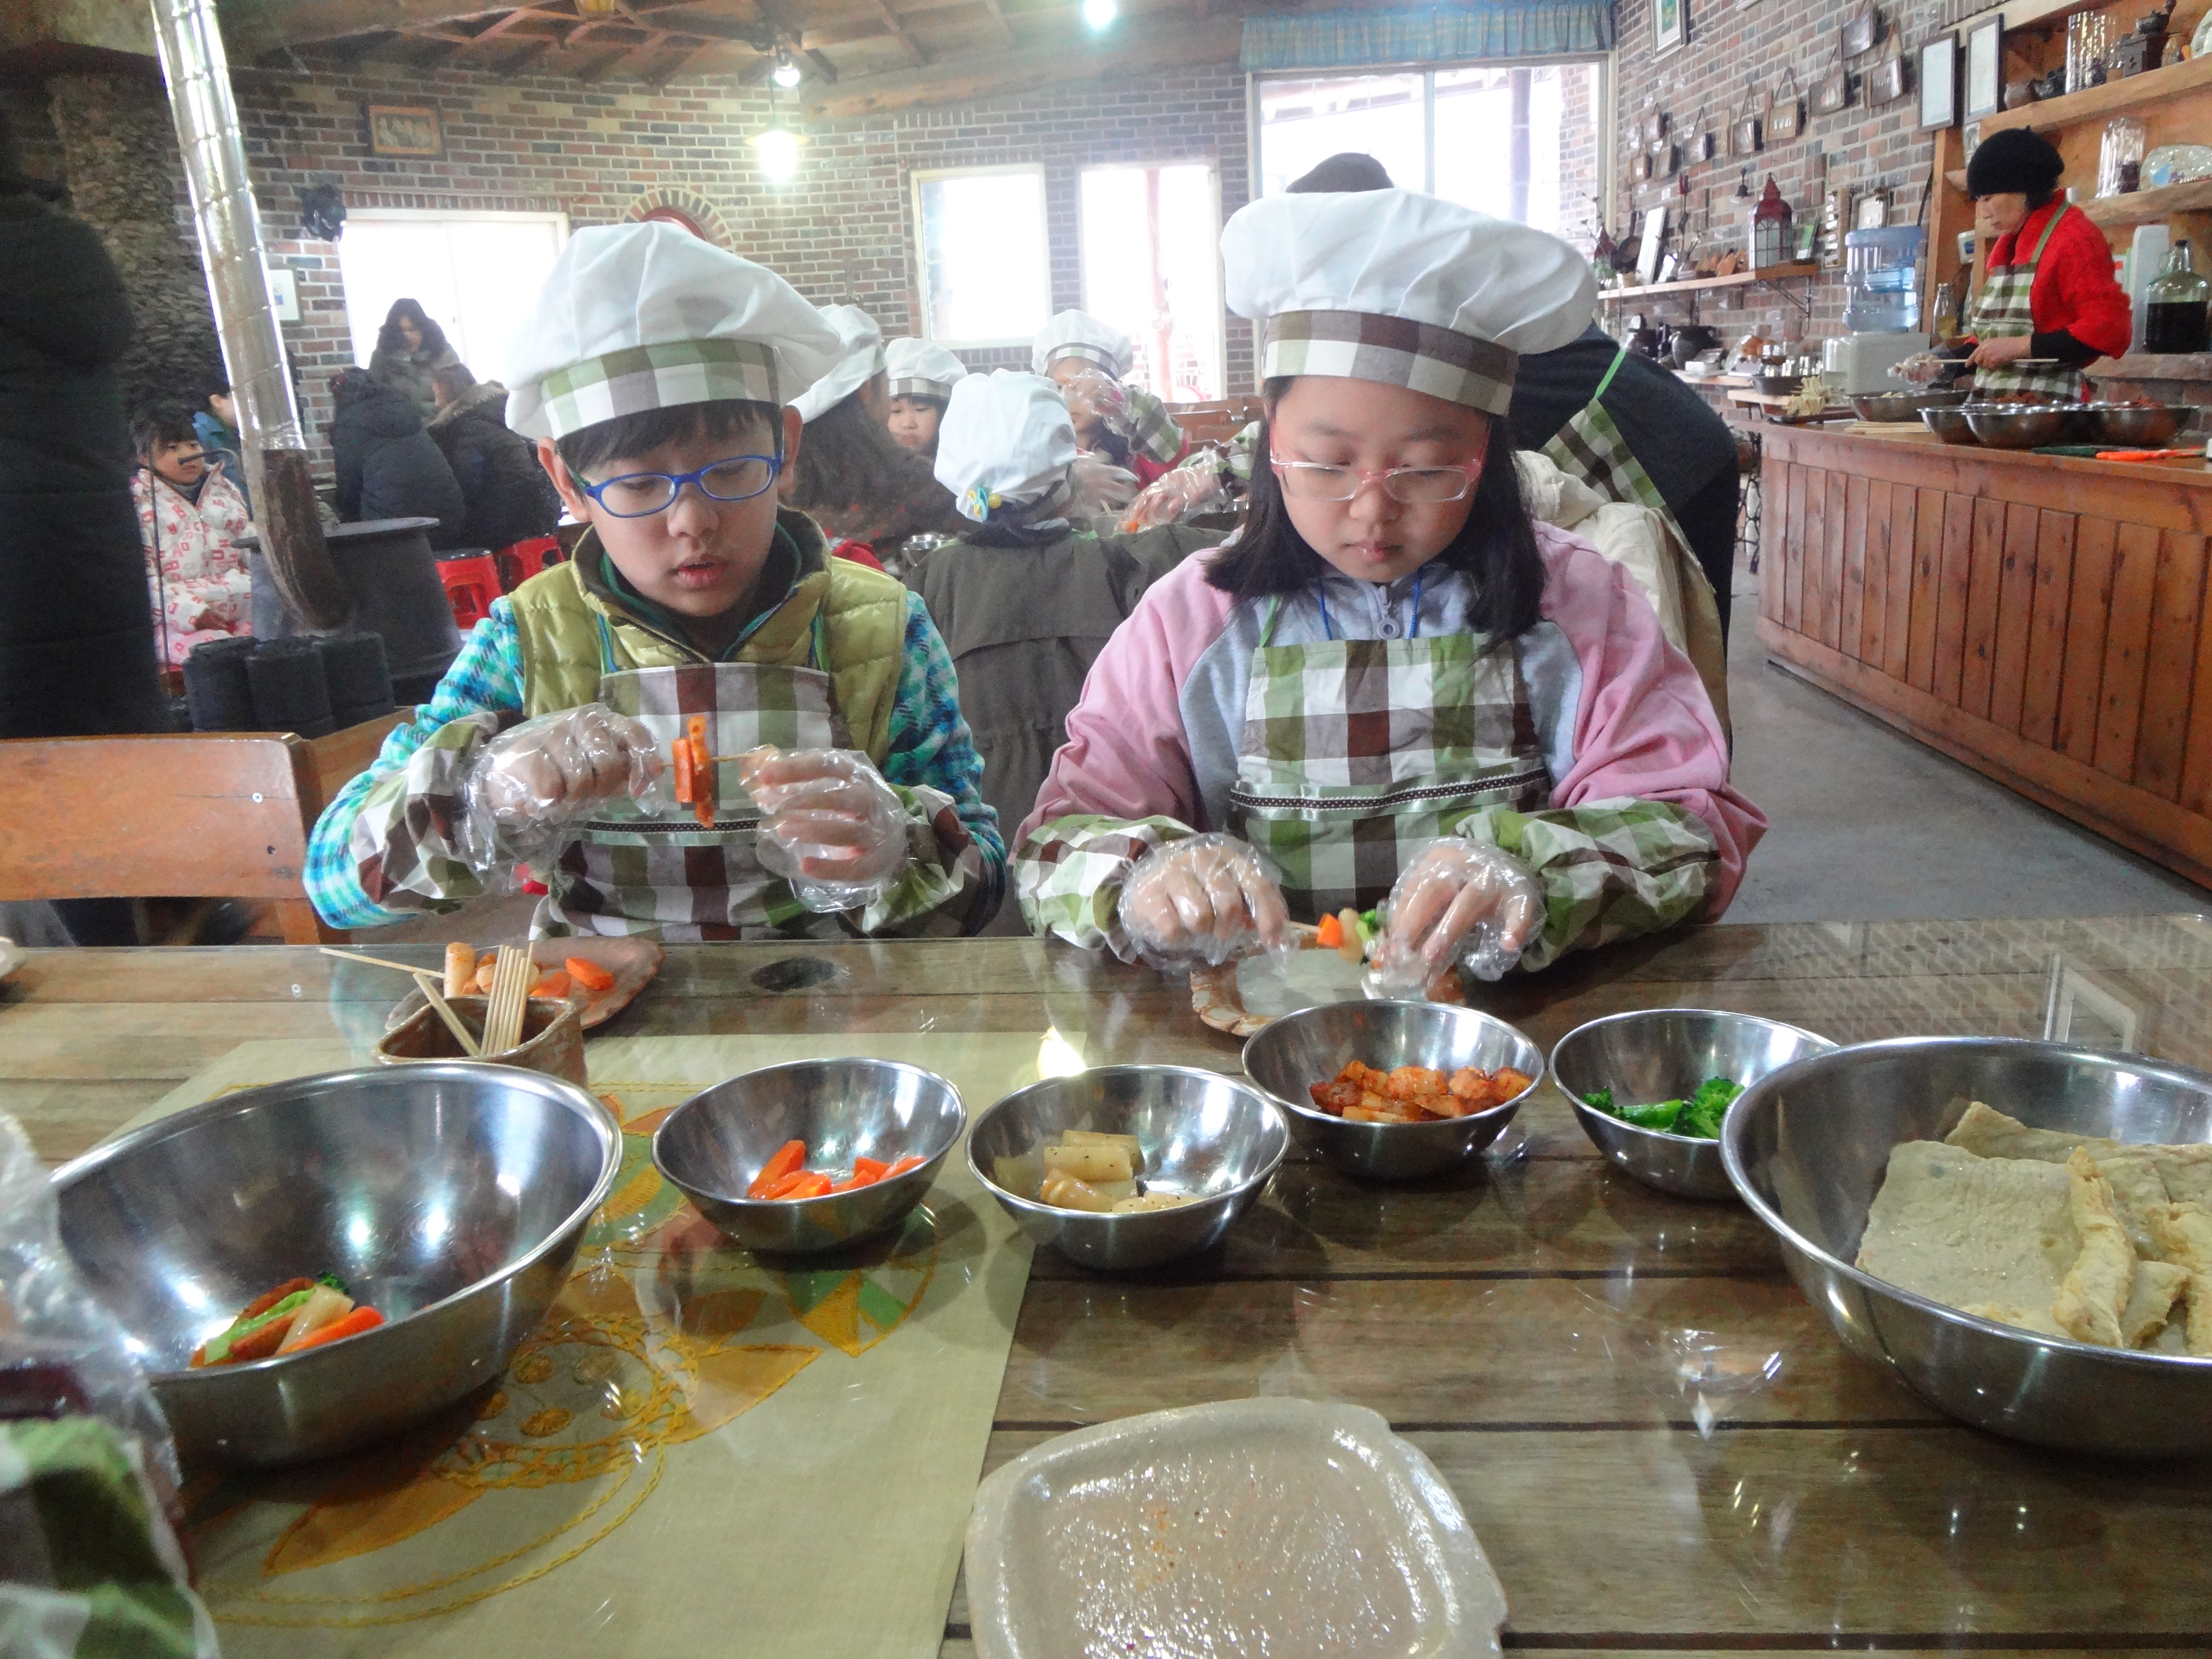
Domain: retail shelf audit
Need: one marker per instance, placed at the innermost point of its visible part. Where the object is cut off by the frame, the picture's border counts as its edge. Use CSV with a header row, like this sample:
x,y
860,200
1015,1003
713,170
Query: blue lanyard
x,y
1329,627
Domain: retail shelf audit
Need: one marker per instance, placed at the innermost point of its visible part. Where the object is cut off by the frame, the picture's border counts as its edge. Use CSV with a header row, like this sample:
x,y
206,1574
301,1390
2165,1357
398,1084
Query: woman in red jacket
x,y
2049,305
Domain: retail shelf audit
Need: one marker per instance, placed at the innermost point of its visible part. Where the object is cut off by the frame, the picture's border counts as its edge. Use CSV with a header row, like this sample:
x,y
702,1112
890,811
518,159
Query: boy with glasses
x,y
835,788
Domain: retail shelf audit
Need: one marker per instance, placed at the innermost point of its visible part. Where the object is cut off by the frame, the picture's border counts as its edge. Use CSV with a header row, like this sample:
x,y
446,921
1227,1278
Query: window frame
x,y
1212,164
922,176
563,228
1608,121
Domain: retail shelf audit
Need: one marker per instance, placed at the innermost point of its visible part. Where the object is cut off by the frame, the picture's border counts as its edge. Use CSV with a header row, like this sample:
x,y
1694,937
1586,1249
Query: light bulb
x,y
785,73
1098,14
777,151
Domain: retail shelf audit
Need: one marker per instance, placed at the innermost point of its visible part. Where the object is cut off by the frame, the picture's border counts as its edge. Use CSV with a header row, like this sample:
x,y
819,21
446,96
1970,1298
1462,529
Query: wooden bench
x,y
200,814
1217,420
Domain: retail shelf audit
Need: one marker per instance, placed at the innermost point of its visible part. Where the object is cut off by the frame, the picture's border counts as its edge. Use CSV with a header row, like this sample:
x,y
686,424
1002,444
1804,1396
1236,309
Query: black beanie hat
x,y
2014,162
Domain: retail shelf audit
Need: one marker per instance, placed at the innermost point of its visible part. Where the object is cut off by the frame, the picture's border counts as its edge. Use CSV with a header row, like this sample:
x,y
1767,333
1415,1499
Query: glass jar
x,y
2174,306
1943,322
2119,158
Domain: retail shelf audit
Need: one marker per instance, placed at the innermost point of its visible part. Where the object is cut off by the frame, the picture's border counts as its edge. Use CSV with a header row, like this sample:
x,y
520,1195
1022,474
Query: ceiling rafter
x,y
896,30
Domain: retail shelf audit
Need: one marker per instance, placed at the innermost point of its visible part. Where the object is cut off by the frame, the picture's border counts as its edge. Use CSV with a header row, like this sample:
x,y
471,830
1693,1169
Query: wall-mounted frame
x,y
1939,83
1862,31
403,129
1886,81
1670,26
1984,93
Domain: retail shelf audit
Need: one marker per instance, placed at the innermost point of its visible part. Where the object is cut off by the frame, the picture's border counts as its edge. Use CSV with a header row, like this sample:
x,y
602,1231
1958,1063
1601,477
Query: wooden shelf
x,y
2150,207
1699,284
2101,103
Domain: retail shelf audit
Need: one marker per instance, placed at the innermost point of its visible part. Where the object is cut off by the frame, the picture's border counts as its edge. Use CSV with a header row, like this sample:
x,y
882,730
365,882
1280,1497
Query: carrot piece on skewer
x,y
679,754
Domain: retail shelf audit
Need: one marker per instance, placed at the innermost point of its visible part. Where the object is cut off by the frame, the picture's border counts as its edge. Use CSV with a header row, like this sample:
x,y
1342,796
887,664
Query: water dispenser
x,y
1881,306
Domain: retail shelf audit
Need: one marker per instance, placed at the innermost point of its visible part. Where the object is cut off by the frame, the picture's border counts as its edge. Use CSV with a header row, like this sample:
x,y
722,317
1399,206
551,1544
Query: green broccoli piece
x,y
1663,1114
1702,1115
1601,1100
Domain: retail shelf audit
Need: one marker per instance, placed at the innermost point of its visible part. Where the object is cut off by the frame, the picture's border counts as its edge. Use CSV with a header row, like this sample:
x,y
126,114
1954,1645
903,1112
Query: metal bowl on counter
x,y
1897,406
1778,386
1667,1054
714,1144
1808,1147
450,1197
1313,1045
2133,426
1950,424
1210,1138
2016,426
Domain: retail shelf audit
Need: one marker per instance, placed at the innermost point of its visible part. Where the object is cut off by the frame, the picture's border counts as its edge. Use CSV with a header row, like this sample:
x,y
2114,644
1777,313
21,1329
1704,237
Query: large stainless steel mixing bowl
x,y
1667,1054
450,1197
1201,1133
1313,1045
2016,426
714,1144
1808,1147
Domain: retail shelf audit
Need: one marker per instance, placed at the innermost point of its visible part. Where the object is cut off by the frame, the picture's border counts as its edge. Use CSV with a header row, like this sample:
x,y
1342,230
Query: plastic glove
x,y
1184,492
1205,900
1920,368
831,825
1097,485
1461,901
533,781
1095,395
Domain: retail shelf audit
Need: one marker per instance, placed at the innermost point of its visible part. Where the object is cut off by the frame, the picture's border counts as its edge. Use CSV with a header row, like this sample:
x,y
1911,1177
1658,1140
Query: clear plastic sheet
x,y
1199,485
1201,901
831,826
1463,902
530,782
60,1350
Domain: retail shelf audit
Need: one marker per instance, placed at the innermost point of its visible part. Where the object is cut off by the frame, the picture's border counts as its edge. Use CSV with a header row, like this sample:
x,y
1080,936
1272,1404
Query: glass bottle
x,y
1945,317
2119,156
2174,313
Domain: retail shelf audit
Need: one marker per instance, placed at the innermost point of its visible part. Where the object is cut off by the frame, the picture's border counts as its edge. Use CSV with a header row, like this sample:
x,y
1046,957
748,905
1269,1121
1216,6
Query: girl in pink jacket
x,y
190,517
1392,684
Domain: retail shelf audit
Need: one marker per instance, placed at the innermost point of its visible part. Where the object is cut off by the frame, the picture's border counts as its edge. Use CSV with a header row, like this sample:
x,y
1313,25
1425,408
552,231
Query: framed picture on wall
x,y
1670,26
403,129
1985,67
1939,83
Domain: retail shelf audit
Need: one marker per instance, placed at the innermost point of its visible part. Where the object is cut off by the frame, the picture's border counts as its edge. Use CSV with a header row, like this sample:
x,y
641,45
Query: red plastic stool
x,y
471,582
519,561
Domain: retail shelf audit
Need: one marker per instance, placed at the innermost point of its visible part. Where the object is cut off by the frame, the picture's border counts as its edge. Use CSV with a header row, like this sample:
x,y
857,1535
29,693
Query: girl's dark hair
x,y
850,462
1495,549
940,404
387,337
627,435
159,424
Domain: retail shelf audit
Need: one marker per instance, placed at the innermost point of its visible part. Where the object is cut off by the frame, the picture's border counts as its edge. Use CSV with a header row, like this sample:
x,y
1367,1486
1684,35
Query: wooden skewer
x,y
510,995
379,961
428,978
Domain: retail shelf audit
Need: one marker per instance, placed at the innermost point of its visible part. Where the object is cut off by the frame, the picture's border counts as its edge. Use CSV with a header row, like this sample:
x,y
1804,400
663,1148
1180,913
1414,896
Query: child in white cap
x,y
1392,684
867,492
1027,597
1087,357
655,375
921,375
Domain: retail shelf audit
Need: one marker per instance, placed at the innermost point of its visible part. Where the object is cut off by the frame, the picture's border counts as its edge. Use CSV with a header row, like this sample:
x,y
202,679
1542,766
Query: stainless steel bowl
x,y
1950,424
2123,426
2016,426
450,1196
1903,405
1202,1133
1807,1148
1312,1046
714,1144
1665,1054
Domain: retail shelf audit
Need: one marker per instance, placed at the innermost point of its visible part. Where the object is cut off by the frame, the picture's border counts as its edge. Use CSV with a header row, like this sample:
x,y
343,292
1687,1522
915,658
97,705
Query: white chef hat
x,y
860,359
641,316
1394,286
921,369
1079,334
1005,441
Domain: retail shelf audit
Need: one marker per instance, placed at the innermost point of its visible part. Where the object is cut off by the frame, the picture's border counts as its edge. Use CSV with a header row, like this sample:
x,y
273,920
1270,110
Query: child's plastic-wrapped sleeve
x,y
831,826
529,784
1455,901
1201,901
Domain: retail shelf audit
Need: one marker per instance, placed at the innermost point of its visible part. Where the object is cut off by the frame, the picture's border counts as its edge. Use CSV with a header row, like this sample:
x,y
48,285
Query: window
x,y
475,274
1519,140
1151,266
986,274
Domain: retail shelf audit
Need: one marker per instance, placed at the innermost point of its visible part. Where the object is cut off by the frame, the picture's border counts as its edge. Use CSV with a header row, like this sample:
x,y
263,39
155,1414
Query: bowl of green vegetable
x,y
1652,1088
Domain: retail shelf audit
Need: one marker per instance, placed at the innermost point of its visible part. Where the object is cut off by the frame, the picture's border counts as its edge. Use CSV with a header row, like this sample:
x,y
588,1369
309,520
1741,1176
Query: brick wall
x,y
841,230
1734,43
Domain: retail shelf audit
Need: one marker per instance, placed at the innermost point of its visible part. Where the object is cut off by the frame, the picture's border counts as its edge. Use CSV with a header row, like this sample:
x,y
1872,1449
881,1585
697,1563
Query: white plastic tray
x,y
1281,1527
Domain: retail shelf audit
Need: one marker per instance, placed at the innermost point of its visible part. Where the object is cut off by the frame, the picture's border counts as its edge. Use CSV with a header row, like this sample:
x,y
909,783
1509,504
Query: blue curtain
x,y
1479,29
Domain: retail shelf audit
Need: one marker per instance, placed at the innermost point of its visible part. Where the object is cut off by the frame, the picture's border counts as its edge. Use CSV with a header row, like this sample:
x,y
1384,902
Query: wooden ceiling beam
x,y
896,30
1161,45
252,27
1006,29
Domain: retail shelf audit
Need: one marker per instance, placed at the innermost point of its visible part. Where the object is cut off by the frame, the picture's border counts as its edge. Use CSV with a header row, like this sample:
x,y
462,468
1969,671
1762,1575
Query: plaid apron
x,y
627,871
2004,313
1590,447
1358,752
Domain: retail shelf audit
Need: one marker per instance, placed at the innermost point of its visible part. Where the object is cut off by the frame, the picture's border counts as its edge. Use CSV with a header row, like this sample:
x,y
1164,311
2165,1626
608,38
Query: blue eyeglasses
x,y
642,495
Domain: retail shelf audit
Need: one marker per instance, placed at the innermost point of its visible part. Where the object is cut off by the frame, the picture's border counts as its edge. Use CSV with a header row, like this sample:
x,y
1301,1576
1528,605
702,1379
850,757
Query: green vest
x,y
863,622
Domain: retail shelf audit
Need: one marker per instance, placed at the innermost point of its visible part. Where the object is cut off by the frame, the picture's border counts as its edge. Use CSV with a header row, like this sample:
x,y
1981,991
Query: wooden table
x,y
1529,1327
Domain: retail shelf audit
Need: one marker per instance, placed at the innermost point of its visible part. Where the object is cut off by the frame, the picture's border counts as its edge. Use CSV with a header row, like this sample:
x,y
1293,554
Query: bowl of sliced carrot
x,y
814,1155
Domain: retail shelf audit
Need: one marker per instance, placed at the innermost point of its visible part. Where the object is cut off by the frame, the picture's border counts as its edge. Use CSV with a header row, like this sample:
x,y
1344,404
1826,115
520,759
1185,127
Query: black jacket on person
x,y
510,497
77,630
388,466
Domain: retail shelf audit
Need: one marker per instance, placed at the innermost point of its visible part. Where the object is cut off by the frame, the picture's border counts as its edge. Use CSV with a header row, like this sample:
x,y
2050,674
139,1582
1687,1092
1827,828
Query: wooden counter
x,y
2042,619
